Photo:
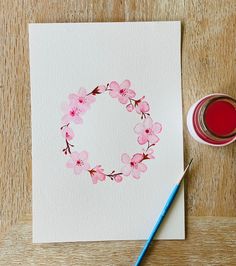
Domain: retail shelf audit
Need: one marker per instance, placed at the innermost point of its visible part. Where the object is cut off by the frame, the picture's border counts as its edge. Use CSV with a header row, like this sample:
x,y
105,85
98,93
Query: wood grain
x,y
210,241
208,65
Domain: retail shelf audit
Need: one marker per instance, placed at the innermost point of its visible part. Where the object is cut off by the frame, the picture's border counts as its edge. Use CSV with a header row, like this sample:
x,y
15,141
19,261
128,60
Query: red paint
x,y
220,118
198,127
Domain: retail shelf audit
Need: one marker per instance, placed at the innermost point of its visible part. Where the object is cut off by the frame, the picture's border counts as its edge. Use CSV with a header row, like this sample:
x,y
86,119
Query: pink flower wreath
x,y
147,131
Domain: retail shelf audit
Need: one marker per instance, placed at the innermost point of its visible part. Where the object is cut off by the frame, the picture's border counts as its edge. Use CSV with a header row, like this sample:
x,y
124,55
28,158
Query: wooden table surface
x,y
208,65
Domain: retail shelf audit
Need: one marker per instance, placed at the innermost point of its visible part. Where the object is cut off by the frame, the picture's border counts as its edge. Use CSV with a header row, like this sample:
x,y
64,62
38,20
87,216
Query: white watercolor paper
x,y
64,58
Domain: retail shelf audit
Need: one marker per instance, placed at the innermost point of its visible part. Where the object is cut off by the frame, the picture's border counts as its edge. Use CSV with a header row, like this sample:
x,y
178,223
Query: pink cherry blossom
x,y
82,99
133,166
101,89
97,173
98,90
142,107
122,91
67,133
78,161
130,107
147,131
73,113
149,154
118,178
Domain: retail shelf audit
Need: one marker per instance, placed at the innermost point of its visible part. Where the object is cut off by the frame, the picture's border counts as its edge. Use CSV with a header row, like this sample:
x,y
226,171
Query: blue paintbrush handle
x,y
158,223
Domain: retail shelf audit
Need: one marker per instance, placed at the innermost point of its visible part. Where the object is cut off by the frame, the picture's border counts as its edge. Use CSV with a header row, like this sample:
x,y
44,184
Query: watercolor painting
x,y
107,131
147,131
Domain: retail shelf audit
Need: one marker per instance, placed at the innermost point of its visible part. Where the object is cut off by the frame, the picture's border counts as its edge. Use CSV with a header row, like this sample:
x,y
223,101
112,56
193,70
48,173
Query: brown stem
x,y
68,145
65,126
112,175
149,146
143,115
93,91
107,87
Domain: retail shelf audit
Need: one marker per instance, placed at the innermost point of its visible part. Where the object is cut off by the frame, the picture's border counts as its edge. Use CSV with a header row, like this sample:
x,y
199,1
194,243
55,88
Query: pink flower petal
x,y
94,179
72,97
86,166
114,86
65,119
142,139
82,92
135,173
64,107
142,167
125,158
125,84
71,133
148,122
153,139
73,104
81,109
83,155
123,99
118,178
74,156
150,153
130,107
144,107
126,170
101,176
137,157
70,164
137,108
139,128
77,170
131,93
77,119
98,168
101,88
157,127
150,156
67,133
90,98
114,94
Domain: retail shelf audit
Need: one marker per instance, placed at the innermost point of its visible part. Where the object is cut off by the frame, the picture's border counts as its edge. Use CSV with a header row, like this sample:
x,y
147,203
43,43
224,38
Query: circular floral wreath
x,y
147,131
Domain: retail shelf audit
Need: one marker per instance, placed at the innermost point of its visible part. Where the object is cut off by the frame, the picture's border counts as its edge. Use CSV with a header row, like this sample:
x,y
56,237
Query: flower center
x,y
72,112
67,135
122,92
132,164
81,100
79,162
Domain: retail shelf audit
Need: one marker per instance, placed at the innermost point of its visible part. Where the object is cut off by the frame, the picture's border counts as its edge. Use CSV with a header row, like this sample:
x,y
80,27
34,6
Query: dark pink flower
x,y
133,166
78,161
122,91
147,131
97,173
67,133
